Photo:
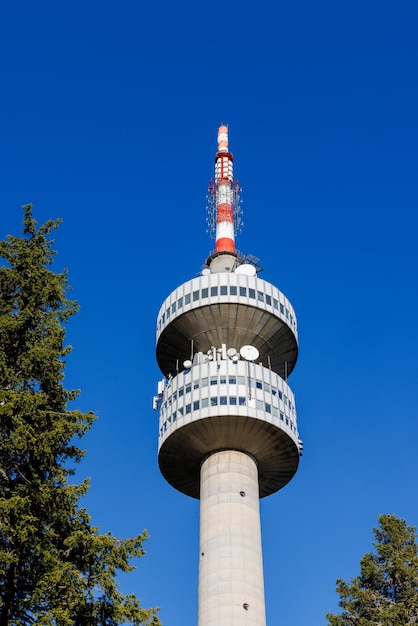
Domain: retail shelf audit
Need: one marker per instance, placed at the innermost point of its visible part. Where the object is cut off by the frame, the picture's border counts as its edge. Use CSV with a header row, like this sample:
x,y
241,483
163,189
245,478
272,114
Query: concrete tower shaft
x,y
226,343
230,571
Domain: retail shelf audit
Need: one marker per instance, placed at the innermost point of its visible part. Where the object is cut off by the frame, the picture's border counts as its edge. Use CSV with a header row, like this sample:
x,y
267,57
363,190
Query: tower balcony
x,y
227,308
227,404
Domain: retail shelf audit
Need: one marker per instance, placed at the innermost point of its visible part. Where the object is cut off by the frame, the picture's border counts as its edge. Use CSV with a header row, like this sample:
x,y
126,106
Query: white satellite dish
x,y
249,353
231,352
246,269
206,271
187,364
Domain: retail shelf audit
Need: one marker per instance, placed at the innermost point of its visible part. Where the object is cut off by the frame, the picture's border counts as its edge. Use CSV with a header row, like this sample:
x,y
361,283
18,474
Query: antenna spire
x,y
224,218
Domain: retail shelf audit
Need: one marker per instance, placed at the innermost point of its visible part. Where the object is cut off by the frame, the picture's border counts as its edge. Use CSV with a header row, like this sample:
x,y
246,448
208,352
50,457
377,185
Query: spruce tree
x,y
55,566
386,592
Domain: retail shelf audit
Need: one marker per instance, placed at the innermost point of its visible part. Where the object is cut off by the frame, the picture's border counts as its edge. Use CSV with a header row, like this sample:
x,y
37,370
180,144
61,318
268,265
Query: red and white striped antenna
x,y
224,204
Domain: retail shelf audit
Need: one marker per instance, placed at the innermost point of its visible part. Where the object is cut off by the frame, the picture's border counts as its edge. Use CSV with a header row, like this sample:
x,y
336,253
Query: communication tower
x,y
226,343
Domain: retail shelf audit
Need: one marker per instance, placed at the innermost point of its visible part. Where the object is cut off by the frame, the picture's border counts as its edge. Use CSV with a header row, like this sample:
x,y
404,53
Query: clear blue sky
x,y
109,114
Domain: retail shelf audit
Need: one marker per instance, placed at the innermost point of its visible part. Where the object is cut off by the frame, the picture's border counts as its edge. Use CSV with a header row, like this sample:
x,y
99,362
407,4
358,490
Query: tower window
x,y
187,298
224,290
195,295
205,292
243,291
251,293
213,291
233,291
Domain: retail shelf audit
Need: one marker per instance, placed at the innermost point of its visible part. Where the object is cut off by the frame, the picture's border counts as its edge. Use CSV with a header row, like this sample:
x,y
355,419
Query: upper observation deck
x,y
230,308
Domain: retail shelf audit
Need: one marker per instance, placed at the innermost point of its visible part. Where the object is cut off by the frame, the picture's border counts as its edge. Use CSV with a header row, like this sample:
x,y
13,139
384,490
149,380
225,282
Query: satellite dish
x,y
206,271
231,352
246,269
249,353
187,364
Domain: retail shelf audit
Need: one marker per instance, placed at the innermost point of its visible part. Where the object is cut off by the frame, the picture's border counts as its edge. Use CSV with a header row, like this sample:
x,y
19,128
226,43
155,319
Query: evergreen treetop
x,y
55,567
386,592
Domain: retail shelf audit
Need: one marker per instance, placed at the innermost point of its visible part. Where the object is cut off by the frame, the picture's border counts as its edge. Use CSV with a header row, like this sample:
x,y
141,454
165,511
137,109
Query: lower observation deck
x,y
229,308
227,404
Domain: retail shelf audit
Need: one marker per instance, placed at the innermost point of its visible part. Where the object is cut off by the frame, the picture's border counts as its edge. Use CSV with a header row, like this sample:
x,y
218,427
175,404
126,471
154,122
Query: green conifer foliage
x,y
55,567
386,592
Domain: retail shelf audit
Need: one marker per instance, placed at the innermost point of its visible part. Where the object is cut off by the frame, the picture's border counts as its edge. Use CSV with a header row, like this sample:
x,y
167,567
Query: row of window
x,y
223,401
224,290
230,380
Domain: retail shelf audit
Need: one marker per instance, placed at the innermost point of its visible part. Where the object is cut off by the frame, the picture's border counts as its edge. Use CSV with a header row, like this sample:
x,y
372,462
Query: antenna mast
x,y
224,204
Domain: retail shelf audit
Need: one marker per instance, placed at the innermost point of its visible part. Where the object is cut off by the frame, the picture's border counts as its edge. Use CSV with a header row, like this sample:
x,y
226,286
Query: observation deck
x,y
227,308
212,399
224,405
